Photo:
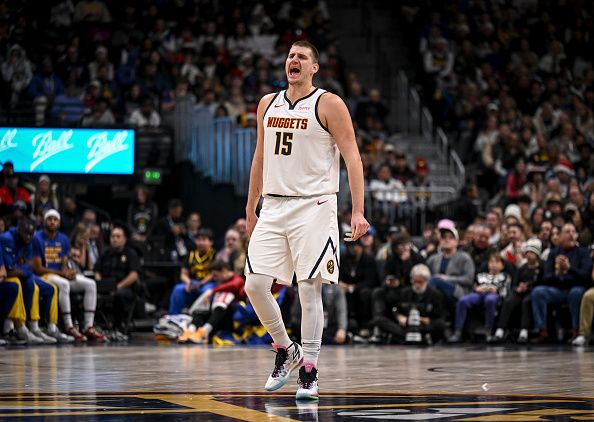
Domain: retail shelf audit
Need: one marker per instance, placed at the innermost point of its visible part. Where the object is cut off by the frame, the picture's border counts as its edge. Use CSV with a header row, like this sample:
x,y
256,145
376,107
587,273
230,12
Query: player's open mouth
x,y
294,71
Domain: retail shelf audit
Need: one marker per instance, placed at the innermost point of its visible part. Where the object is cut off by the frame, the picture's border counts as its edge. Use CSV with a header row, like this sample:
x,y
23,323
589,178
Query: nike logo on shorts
x,y
323,202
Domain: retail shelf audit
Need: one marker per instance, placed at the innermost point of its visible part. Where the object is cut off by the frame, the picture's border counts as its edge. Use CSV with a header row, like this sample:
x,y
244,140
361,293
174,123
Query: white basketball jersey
x,y
300,156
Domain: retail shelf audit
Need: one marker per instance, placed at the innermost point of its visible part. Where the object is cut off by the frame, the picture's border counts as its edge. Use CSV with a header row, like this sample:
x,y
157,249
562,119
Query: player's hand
x,y
401,320
250,225
359,226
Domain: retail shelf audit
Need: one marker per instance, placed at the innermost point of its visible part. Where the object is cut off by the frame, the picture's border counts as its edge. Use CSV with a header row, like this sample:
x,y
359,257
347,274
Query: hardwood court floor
x,y
149,382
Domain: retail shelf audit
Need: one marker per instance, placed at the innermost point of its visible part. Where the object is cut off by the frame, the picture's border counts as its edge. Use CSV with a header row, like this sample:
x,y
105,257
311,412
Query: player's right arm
x,y
256,177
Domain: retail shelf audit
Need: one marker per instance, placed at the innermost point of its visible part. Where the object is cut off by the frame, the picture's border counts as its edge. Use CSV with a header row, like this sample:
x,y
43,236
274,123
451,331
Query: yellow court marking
x,y
193,404
208,404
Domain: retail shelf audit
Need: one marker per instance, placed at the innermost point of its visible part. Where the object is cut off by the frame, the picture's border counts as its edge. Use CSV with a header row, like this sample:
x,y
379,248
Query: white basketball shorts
x,y
296,236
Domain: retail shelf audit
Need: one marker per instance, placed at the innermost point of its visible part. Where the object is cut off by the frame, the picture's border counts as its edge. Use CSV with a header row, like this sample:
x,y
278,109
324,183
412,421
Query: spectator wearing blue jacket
x,y
567,274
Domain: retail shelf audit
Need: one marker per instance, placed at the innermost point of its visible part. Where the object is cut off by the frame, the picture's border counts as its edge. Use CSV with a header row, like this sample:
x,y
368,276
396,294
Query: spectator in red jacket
x,y
229,290
11,192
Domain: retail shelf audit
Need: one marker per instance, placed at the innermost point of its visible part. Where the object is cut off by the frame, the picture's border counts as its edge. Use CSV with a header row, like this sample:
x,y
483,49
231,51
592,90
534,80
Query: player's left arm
x,y
334,114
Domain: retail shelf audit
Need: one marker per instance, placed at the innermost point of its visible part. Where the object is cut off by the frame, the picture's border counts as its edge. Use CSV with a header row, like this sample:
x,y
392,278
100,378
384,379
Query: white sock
x,y
523,333
208,328
257,287
34,325
312,318
499,333
67,321
89,319
8,326
52,328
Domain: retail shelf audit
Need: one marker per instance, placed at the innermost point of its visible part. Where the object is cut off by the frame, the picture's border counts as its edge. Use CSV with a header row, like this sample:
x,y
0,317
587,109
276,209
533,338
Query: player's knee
x,y
251,286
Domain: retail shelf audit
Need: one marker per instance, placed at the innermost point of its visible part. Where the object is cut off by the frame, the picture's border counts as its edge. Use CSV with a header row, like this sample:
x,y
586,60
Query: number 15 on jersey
x,y
283,145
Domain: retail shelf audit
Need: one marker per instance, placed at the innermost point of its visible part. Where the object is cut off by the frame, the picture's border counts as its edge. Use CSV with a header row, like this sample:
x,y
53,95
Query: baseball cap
x,y
451,230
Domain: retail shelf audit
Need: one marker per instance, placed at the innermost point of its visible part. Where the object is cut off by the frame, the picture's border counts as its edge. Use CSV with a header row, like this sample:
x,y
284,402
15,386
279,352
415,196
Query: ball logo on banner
x,y
82,151
46,146
101,147
6,142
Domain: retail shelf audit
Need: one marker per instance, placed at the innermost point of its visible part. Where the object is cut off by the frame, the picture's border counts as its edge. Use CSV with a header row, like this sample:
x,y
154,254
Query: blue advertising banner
x,y
84,151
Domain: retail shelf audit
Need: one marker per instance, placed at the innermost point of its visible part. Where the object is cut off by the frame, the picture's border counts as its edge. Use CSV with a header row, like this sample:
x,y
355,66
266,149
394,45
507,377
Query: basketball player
x,y
301,132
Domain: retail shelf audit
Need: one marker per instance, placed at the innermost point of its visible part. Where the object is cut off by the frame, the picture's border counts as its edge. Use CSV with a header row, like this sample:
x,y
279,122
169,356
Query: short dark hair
x,y
518,225
204,232
174,203
122,227
219,265
314,51
26,224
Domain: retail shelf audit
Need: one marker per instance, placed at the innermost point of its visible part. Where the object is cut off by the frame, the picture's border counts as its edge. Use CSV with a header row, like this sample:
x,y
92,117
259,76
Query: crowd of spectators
x,y
104,62
523,107
513,85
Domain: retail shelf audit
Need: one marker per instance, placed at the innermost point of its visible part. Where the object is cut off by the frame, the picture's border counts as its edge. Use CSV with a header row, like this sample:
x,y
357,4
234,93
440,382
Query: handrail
x,y
426,125
416,120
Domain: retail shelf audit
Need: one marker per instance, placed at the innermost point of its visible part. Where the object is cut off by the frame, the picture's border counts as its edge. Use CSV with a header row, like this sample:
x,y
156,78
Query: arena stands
x,y
507,89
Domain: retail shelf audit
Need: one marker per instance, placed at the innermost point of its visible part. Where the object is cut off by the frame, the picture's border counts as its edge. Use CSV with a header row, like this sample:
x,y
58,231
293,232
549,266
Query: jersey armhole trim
x,y
317,115
269,104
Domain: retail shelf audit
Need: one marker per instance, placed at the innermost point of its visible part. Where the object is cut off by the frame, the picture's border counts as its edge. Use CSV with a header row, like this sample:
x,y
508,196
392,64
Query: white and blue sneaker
x,y
287,360
307,382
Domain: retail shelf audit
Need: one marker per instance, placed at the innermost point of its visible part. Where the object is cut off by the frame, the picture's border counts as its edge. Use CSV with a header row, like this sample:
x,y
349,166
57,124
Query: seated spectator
x,y
489,288
420,183
535,187
170,231
400,169
101,59
218,301
479,248
44,88
513,252
79,239
193,225
142,214
11,192
387,193
357,278
529,275
16,73
567,274
94,246
372,113
427,303
117,273
232,253
44,197
145,116
68,107
452,270
195,276
402,259
335,315
100,116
